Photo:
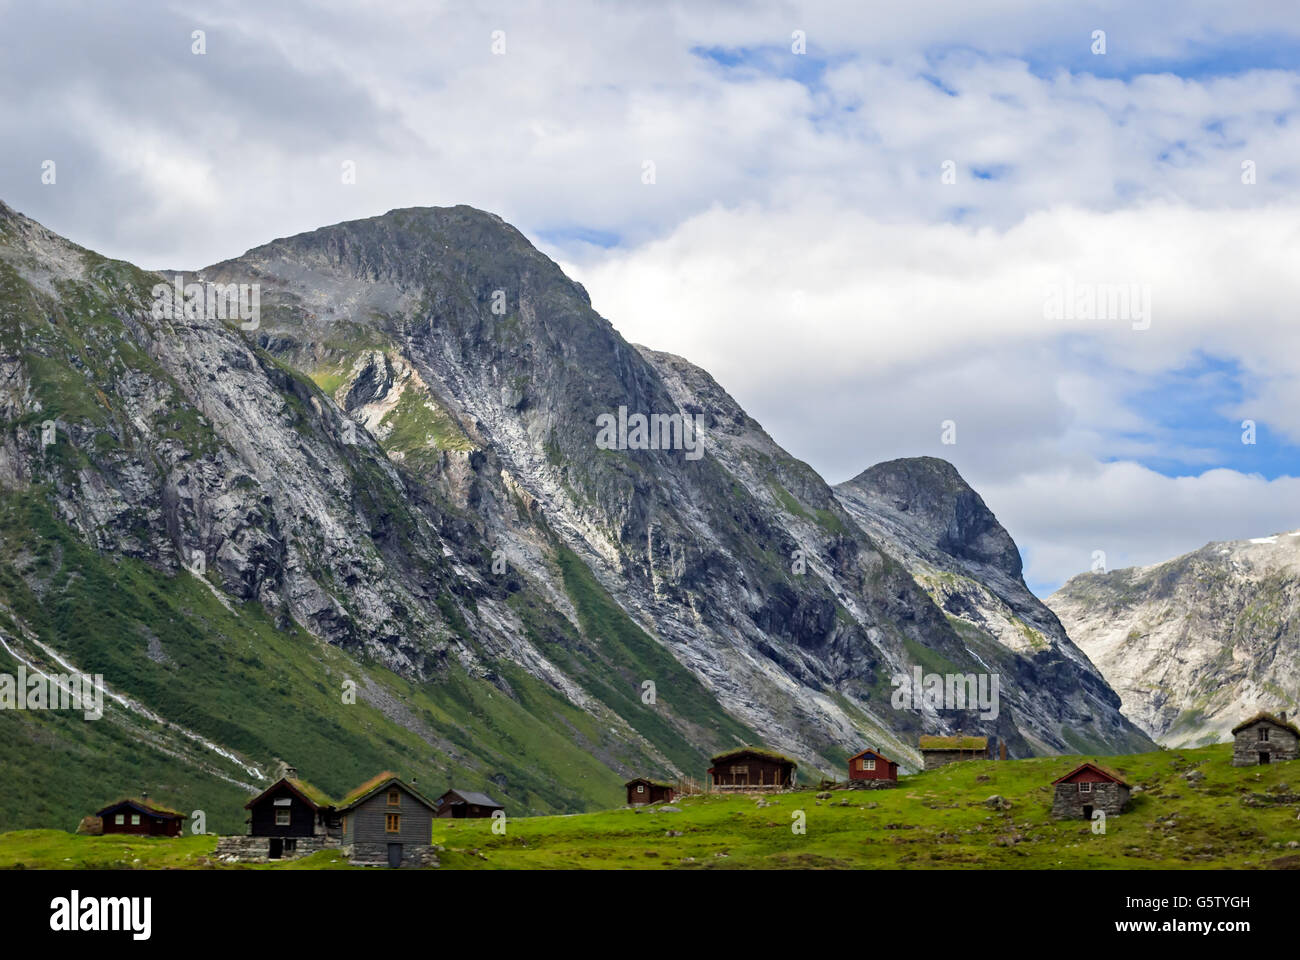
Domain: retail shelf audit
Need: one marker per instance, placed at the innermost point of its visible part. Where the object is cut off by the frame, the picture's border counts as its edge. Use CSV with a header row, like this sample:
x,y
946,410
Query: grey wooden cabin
x,y
1264,738
386,821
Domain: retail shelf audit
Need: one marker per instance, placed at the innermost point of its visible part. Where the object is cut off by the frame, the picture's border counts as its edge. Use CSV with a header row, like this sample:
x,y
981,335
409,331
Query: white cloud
x,y
798,242
1135,516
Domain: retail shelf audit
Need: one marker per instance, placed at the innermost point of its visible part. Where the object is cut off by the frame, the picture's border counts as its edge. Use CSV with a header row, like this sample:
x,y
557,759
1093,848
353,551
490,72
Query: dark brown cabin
x,y
141,817
751,768
462,804
291,808
641,791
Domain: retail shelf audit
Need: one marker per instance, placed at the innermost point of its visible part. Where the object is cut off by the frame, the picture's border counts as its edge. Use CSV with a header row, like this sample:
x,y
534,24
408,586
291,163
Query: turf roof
x,y
146,805
1271,718
953,743
756,751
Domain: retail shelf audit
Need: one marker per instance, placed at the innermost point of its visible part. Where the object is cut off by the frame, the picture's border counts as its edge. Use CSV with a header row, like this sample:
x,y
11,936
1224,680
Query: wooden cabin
x,y
462,804
938,751
1086,789
1264,738
386,821
141,817
288,811
872,765
641,791
751,768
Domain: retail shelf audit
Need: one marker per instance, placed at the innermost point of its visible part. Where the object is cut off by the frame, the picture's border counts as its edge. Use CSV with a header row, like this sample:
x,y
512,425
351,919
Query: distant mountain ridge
x,y
1196,644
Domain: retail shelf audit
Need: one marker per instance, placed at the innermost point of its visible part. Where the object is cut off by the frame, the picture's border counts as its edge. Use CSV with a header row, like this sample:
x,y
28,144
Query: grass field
x,y
1227,817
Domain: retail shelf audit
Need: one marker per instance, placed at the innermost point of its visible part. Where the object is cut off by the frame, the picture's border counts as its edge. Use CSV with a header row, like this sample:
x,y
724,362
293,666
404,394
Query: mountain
x,y
376,526
1196,644
924,514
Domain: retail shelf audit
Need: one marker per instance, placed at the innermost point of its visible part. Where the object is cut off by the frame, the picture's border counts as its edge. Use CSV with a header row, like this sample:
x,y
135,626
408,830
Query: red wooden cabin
x,y
872,765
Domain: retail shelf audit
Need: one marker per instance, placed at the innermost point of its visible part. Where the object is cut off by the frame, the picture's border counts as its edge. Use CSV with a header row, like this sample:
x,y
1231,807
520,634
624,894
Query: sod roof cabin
x,y
386,820
291,807
1264,738
642,790
872,765
751,768
1087,789
141,816
937,751
466,804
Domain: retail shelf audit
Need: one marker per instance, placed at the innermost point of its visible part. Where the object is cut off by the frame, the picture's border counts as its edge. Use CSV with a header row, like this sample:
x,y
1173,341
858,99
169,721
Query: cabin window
x,y
640,788
394,798
740,768
393,822
870,765
120,819
1085,787
282,818
1263,733
135,819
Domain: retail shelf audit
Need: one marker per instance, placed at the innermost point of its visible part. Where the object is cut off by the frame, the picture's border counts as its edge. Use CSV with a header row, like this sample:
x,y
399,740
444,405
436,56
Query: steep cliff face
x,y
400,459
924,514
510,371
1195,644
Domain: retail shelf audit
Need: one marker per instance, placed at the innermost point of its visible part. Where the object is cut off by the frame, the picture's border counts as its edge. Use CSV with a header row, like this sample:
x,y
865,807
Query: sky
x,y
1063,236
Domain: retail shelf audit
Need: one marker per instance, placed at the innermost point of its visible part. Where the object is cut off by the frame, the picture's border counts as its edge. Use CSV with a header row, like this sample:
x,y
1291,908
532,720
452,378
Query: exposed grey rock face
x,y
1196,644
402,459
923,513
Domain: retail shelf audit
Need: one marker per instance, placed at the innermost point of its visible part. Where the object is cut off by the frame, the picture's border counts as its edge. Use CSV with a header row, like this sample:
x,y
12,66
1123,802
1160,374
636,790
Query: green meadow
x,y
1194,811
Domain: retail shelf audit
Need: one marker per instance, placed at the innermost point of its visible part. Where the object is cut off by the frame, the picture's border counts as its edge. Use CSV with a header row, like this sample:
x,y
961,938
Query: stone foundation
x,y
376,854
258,849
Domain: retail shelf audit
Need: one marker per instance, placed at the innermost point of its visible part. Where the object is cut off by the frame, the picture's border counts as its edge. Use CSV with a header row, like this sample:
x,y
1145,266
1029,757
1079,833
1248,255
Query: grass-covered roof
x,y
653,783
367,787
313,793
1271,718
147,806
929,742
761,752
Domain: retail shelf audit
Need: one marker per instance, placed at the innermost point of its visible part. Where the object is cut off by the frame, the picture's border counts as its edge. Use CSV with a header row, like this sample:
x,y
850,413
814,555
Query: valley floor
x,y
1225,817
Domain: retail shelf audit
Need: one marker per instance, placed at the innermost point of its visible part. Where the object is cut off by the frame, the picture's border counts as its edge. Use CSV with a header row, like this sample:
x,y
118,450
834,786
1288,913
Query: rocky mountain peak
x,y
927,496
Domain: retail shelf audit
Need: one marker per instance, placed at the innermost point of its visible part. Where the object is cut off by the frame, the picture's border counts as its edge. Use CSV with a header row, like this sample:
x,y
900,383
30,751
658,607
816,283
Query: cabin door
x,y
1263,757
394,855
1087,811
277,848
